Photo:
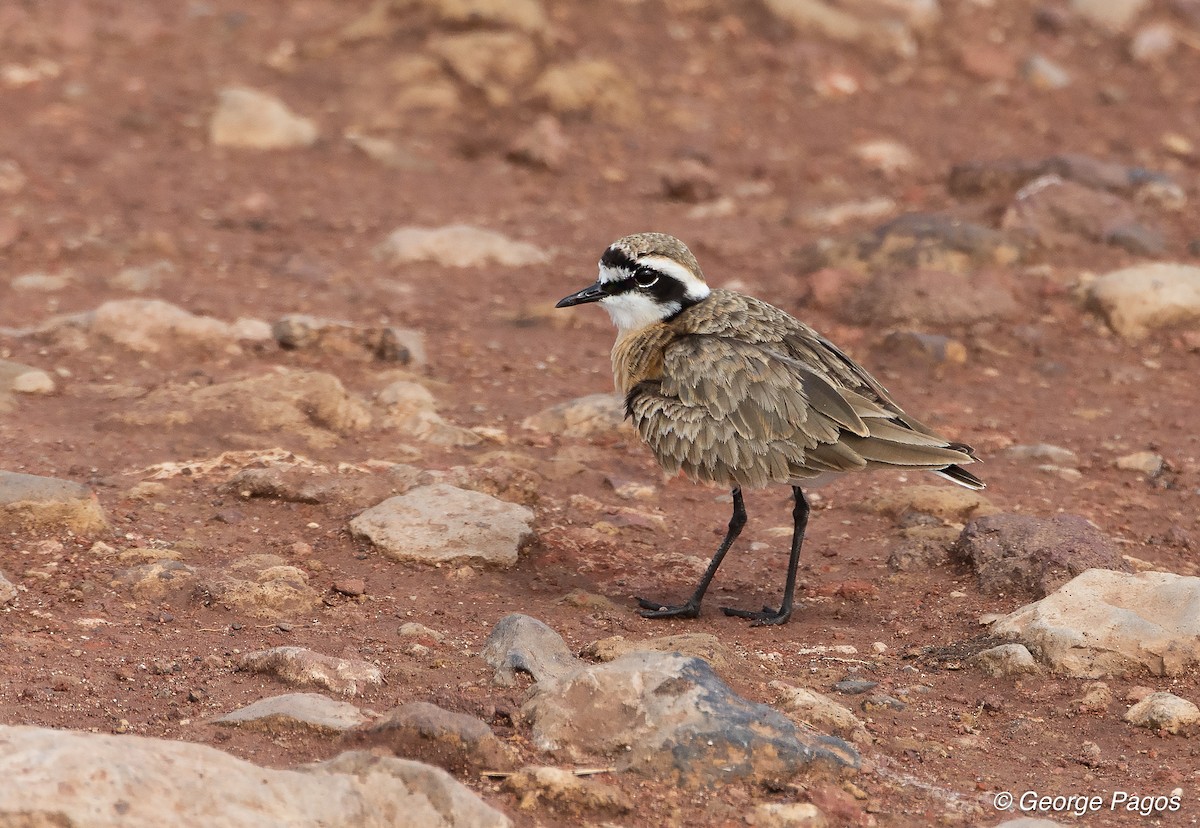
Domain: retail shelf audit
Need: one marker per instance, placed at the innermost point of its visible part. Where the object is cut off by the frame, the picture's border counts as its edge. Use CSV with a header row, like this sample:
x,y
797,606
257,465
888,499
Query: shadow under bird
x,y
729,389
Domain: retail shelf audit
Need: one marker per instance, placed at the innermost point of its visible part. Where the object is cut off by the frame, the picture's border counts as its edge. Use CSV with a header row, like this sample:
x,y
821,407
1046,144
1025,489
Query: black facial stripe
x,y
614,258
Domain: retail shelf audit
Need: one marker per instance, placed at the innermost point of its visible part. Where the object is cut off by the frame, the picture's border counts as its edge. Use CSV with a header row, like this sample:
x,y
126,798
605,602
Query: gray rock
x,y
427,733
850,686
565,793
1005,660
1006,177
1026,555
299,331
928,298
247,118
1137,300
1111,623
29,503
297,665
1164,711
595,414
295,711
916,241
63,777
670,716
444,523
307,406
519,643
261,586
457,245
812,709
1057,213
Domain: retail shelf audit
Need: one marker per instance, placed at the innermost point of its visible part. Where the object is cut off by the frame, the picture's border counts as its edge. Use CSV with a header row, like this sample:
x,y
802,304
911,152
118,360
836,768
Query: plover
x,y
729,389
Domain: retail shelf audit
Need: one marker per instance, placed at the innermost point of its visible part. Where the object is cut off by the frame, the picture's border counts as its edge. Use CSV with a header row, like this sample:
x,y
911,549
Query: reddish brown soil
x,y
120,172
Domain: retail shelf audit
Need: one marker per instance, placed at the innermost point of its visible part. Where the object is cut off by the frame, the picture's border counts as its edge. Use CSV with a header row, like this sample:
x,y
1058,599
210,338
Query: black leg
x,y
655,609
780,616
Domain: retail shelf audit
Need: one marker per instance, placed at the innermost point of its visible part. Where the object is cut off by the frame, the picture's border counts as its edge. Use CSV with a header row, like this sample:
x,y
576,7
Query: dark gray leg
x,y
780,616
656,609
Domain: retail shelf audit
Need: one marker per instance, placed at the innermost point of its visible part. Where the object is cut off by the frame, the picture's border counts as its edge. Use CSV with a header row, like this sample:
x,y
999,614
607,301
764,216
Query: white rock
x,y
1045,452
1005,660
64,777
581,417
1146,462
1139,299
1115,15
787,815
444,523
457,245
33,382
1163,711
887,156
8,590
252,119
412,409
1107,623
149,325
1153,42
297,711
143,278
299,665
816,710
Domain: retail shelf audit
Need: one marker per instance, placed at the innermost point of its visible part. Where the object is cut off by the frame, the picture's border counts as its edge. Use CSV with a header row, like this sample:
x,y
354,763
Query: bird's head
x,y
644,278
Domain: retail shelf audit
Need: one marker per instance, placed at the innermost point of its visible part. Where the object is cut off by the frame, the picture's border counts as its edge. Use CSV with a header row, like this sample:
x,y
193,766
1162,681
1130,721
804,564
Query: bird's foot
x,y
764,618
657,609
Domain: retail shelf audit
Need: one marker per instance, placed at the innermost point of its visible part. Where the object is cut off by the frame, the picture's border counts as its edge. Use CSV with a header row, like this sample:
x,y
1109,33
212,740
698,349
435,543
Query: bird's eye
x,y
645,277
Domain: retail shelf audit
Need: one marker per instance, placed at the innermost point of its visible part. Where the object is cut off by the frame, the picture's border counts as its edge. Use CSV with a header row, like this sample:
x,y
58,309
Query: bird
x,y
731,390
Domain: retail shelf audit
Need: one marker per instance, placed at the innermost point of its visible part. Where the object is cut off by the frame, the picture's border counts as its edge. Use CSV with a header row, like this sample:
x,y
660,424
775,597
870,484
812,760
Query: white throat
x,y
634,311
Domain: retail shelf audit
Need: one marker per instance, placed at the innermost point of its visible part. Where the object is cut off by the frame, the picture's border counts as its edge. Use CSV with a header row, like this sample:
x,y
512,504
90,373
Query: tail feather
x,y
961,476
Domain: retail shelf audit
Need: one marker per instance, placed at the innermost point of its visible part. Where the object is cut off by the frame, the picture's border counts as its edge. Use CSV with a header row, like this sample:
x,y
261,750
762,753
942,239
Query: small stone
x,y
854,686
295,711
885,156
1153,43
1026,555
1164,712
1113,15
352,587
37,383
262,586
444,523
457,245
808,707
40,282
247,118
934,348
877,702
297,665
1095,699
1044,453
495,63
8,590
699,645
1044,73
589,86
29,503
412,629
944,502
519,643
787,815
1138,300
144,278
562,791
542,145
1144,462
689,180
595,414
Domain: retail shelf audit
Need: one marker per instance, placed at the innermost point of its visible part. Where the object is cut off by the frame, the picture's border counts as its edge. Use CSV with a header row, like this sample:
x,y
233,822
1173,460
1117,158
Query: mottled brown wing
x,y
739,413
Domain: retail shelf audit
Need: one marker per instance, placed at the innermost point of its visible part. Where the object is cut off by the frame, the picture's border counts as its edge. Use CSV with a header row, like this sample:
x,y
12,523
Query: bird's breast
x,y
638,356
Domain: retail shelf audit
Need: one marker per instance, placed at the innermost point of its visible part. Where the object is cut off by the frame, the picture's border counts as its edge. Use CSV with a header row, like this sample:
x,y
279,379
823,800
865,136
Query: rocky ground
x,y
316,512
